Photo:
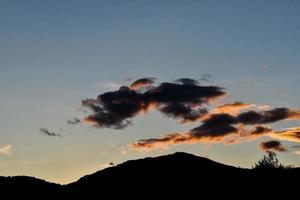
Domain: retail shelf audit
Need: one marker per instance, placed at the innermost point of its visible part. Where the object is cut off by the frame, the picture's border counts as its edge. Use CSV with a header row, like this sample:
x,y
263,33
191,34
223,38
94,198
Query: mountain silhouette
x,y
167,174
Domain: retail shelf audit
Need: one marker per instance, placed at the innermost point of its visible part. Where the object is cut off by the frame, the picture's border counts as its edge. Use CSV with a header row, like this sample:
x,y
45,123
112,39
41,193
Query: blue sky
x,y
55,53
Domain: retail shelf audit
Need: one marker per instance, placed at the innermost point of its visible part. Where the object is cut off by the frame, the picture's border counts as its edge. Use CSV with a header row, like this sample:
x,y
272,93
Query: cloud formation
x,y
268,116
273,145
183,112
186,100
6,150
232,108
46,132
289,134
142,83
182,100
259,130
229,129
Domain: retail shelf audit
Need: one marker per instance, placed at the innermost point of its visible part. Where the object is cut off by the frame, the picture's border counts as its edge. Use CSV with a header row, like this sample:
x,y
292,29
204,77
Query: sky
x,y
54,54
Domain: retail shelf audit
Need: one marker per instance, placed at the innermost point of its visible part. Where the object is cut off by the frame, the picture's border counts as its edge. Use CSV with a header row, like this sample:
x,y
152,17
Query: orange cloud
x,y
165,141
297,153
232,108
294,114
242,134
229,129
289,134
142,83
89,121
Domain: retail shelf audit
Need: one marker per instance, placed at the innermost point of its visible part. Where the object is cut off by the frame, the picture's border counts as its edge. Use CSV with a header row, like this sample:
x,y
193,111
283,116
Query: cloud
x,y
294,114
162,142
260,130
187,81
182,99
218,125
6,150
232,108
215,129
272,145
73,121
114,109
268,116
183,112
186,100
290,134
228,129
142,83
46,132
297,153
248,134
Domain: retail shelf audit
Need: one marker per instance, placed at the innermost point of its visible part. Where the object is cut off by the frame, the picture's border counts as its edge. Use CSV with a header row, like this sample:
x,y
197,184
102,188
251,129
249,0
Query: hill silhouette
x,y
164,174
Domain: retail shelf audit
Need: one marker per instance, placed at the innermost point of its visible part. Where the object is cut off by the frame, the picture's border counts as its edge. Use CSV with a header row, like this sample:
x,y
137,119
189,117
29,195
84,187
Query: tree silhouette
x,y
269,161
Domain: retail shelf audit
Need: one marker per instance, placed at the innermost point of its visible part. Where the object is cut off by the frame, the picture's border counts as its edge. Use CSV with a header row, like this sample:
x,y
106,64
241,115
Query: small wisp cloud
x,y
6,150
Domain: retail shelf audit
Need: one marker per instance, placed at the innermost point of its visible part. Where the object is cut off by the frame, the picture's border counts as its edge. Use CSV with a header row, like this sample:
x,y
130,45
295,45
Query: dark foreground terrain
x,y
179,174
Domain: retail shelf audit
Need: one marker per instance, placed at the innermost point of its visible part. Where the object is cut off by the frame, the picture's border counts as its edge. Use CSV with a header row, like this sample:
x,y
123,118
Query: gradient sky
x,y
53,54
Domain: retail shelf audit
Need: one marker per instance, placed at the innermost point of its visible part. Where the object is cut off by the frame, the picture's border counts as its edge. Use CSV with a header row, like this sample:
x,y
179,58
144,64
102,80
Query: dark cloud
x,y
260,130
219,120
265,117
114,109
184,112
183,93
182,100
217,125
272,145
46,132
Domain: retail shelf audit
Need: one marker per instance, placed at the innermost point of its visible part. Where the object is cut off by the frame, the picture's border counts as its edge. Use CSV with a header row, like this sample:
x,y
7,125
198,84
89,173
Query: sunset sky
x,y
56,54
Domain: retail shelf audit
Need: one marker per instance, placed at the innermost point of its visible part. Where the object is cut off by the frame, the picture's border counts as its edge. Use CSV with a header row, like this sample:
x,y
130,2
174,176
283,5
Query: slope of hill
x,y
164,174
27,186
163,170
